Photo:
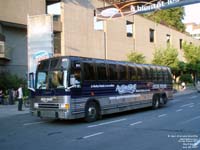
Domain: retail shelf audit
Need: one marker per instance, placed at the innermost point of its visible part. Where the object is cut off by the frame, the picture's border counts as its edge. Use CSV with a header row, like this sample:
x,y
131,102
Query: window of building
x,y
151,35
181,43
2,48
98,24
129,29
168,38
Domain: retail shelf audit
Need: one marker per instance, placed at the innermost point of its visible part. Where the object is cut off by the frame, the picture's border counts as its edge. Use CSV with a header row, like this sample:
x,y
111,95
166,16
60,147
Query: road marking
x,y
187,105
190,120
92,135
197,143
33,123
139,122
179,110
163,115
106,123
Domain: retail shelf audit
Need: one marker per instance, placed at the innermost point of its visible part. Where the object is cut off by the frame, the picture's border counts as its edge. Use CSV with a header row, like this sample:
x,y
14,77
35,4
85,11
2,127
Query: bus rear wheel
x,y
156,102
91,112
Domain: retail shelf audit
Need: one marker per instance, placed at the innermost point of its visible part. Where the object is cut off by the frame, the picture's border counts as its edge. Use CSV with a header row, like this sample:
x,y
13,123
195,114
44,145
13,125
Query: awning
x,y
120,8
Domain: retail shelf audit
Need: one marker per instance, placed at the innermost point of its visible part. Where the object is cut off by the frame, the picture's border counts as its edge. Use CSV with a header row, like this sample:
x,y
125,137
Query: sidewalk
x,y
188,90
10,110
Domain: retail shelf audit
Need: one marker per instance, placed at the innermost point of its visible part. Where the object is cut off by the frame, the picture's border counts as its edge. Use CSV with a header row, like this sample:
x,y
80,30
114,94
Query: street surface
x,y
174,127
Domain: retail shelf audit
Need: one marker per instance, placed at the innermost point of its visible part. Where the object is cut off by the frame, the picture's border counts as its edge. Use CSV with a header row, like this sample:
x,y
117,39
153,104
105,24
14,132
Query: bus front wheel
x,y
91,112
156,102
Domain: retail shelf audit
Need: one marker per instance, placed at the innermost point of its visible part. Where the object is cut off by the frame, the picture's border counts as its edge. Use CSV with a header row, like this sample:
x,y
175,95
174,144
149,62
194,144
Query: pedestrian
x,y
10,96
1,97
19,97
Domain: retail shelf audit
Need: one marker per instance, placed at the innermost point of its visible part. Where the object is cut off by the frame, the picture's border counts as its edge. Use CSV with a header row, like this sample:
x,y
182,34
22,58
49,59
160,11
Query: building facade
x,y
77,32
193,29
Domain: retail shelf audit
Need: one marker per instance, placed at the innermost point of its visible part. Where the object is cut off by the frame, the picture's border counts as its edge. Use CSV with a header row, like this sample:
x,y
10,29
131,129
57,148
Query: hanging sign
x,y
130,7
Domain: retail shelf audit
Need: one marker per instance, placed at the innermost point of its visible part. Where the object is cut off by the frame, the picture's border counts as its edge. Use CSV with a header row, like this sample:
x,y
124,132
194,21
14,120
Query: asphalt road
x,y
174,127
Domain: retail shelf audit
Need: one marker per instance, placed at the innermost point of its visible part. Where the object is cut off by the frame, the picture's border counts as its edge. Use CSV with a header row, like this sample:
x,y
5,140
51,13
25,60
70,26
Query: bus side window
x,y
155,75
139,73
122,72
88,71
112,71
75,75
101,71
132,73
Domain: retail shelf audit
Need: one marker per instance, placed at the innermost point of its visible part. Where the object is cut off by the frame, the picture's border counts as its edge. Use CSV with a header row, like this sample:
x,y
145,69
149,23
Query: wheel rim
x,y
92,112
157,103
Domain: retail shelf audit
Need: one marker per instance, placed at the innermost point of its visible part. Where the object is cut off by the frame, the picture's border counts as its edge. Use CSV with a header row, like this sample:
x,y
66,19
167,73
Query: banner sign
x,y
40,40
121,8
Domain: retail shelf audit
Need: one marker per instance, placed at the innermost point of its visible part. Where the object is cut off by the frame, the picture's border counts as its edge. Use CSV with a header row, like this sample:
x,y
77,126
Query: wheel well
x,y
94,101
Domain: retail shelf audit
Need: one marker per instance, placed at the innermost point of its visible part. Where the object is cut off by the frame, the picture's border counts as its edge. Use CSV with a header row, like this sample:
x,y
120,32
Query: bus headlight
x,y
36,105
64,106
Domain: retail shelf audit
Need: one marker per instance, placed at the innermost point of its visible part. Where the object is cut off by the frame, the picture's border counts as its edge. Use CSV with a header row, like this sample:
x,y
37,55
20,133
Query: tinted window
x,y
112,72
151,73
88,69
54,64
76,70
147,75
155,75
101,71
139,73
43,65
160,74
122,72
132,73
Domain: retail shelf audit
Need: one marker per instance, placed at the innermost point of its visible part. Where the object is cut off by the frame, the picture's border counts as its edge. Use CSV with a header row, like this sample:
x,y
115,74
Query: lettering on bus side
x,y
130,88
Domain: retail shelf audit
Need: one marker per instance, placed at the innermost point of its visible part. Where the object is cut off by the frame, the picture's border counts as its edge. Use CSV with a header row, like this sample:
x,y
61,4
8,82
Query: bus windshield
x,y
56,79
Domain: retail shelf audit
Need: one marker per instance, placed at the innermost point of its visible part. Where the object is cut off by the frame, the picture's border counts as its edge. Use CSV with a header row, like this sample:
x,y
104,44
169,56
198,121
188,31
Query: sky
x,y
192,13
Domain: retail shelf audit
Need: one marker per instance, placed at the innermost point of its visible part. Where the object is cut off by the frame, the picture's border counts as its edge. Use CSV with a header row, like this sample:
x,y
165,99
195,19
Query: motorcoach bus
x,y
71,87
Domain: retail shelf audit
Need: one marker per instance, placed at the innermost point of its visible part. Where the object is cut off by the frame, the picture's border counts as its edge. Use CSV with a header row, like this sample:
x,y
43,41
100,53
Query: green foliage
x,y
8,81
136,58
166,57
171,17
187,78
191,53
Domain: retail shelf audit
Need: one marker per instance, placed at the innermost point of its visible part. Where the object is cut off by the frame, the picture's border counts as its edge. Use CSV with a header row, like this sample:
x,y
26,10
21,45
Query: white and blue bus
x,y
71,87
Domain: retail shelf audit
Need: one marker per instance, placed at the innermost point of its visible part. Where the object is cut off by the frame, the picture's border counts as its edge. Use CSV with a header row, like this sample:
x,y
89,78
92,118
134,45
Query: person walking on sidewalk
x,y
19,97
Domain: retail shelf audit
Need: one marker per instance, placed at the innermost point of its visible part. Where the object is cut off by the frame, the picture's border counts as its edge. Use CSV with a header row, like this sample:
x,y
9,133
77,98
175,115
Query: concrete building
x,y
77,32
193,29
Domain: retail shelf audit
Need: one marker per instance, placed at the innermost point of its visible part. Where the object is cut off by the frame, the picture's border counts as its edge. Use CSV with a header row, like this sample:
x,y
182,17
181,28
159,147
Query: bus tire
x,y
156,102
164,99
91,111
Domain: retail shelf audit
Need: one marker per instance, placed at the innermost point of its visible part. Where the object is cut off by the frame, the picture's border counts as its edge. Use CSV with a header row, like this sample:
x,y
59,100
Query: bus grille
x,y
48,105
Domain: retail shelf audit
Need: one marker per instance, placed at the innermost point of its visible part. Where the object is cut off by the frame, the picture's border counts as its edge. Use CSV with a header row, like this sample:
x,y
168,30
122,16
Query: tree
x,y
171,17
166,57
136,58
192,55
